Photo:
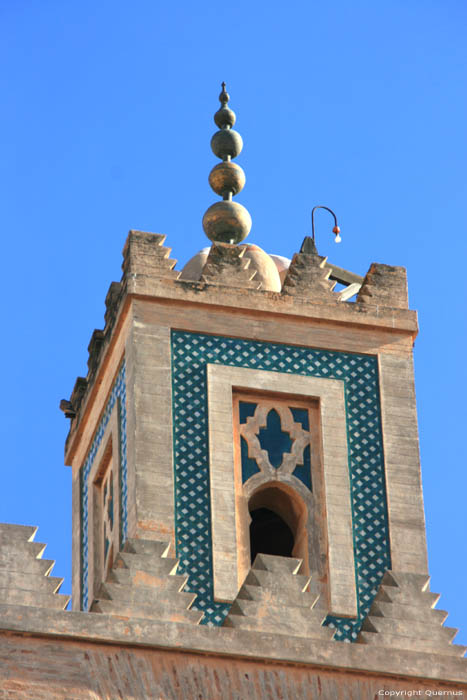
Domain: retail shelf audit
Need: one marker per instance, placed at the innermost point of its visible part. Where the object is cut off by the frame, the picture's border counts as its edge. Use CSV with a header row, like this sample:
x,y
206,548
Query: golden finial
x,y
226,221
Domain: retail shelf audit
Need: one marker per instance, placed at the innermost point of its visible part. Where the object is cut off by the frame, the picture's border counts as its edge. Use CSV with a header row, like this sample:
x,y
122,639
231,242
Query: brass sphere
x,y
227,222
226,142
227,177
225,117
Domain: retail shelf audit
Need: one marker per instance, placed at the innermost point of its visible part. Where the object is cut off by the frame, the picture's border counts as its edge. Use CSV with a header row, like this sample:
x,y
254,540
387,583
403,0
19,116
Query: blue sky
x,y
106,113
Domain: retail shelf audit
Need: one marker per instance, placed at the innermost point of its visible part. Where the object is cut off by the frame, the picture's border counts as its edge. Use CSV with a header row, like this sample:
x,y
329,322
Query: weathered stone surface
x,y
24,575
97,347
276,598
52,630
143,584
144,254
308,275
149,429
228,266
402,616
112,301
385,285
94,349
52,669
77,395
402,465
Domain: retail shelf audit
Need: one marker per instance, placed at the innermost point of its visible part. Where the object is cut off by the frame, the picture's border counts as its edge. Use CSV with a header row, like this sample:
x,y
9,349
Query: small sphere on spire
x,y
225,117
226,143
224,97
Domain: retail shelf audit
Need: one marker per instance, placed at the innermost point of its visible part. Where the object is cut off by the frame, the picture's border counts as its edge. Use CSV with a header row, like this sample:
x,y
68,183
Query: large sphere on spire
x,y
227,177
226,142
227,222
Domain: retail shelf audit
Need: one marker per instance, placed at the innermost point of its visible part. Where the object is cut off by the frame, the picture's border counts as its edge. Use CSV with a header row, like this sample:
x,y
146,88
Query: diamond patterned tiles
x,y
190,354
117,394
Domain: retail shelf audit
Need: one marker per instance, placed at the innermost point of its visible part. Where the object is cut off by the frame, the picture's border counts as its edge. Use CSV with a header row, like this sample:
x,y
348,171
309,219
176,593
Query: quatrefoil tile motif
x,y
273,439
190,354
274,436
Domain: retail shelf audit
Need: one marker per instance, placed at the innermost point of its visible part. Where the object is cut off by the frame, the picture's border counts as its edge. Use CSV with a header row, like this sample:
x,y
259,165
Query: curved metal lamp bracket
x,y
335,230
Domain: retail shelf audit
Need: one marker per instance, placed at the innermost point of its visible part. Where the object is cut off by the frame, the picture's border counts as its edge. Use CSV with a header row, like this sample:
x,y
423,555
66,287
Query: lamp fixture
x,y
336,230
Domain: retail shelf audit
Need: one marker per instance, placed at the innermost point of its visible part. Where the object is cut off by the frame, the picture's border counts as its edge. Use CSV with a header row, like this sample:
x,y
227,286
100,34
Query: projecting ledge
x,y
260,301
91,628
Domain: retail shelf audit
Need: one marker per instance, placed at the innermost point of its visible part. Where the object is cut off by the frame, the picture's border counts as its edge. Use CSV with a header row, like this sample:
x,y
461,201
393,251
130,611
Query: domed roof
x,y
266,269
282,265
269,269
194,267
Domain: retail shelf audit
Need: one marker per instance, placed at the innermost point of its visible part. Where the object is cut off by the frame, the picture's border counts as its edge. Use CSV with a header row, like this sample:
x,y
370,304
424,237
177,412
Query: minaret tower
x,y
246,484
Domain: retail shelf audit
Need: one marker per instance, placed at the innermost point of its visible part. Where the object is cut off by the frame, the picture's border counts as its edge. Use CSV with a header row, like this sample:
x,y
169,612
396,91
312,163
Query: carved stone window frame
x,y
222,382
108,451
278,488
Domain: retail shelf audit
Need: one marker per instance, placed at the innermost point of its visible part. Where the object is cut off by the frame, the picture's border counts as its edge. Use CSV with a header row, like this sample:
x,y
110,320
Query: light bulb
x,y
337,239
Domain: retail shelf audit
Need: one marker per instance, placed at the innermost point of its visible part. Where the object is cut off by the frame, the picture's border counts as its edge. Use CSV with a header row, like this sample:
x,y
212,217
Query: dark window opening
x,y
269,534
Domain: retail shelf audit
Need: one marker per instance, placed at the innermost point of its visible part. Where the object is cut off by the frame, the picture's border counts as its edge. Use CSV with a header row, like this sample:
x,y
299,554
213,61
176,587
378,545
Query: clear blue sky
x,y
106,113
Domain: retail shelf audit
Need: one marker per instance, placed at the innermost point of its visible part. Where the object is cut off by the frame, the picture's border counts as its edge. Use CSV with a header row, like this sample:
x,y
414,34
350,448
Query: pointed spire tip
x,y
224,97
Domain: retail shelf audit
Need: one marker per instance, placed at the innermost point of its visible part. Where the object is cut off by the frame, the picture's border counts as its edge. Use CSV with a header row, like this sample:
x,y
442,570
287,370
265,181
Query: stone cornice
x,y
105,629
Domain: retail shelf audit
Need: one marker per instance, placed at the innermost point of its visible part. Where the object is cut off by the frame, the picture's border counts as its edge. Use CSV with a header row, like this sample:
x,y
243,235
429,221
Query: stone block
x,y
24,575
402,616
308,276
385,285
227,266
276,598
145,255
142,583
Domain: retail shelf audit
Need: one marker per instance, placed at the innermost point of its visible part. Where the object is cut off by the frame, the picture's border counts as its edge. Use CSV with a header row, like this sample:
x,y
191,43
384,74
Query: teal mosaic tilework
x,y
117,394
190,354
300,415
249,465
303,471
245,410
274,440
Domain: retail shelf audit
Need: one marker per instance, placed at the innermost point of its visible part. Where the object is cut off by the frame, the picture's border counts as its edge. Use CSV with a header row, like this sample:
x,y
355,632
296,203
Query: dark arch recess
x,y
278,522
269,534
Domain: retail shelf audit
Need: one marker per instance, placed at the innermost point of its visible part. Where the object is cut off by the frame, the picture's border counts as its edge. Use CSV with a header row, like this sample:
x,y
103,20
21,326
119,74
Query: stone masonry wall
x,y
54,669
